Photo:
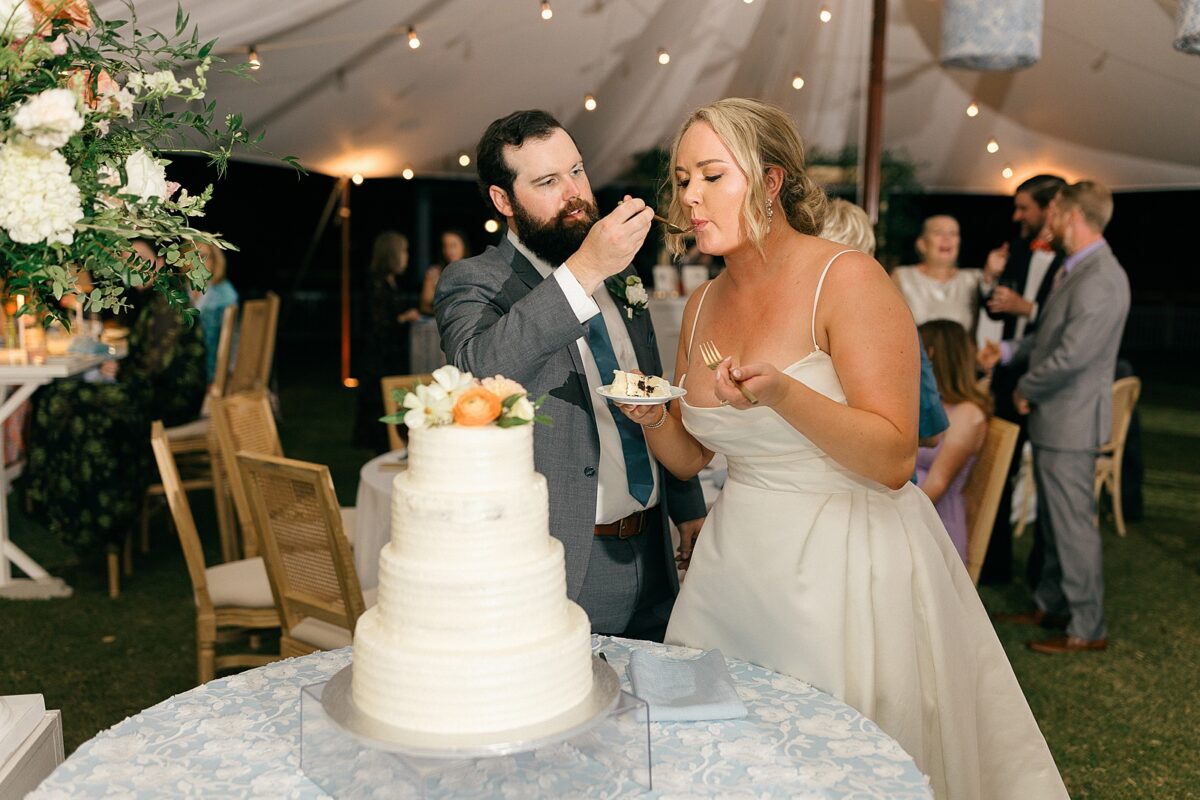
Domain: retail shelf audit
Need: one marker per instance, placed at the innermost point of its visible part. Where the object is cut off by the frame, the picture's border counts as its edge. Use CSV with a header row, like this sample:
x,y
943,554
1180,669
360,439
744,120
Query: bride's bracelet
x,y
661,420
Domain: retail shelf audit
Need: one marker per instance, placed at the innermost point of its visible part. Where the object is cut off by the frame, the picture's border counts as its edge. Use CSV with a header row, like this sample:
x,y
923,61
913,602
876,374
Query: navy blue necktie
x,y
633,442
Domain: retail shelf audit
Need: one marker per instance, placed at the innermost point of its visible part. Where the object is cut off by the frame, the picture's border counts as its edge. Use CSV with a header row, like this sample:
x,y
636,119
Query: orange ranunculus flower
x,y
76,12
476,406
80,80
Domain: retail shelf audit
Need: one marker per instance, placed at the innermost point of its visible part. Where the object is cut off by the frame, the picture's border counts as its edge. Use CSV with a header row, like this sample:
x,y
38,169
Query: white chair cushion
x,y
324,635
196,429
348,523
240,583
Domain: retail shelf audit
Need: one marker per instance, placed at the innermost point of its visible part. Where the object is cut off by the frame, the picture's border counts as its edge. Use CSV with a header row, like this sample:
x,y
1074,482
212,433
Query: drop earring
x,y
770,212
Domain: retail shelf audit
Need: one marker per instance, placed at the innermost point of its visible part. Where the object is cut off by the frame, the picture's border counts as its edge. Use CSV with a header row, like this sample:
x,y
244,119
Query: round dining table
x,y
239,736
373,513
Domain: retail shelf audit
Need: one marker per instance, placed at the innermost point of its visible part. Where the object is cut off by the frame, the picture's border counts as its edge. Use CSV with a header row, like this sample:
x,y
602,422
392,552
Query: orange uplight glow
x,y
350,383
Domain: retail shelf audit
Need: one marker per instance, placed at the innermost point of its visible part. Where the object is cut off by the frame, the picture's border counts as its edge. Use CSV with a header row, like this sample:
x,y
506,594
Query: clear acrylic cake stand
x,y
601,747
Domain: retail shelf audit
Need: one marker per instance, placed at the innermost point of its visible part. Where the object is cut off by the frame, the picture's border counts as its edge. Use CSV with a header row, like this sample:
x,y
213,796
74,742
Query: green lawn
x,y
1121,724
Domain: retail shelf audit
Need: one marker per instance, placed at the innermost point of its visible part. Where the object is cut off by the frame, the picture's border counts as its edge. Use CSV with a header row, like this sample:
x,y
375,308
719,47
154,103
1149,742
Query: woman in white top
x,y
937,288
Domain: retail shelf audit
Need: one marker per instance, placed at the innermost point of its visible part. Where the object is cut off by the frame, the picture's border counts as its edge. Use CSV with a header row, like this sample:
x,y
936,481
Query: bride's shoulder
x,y
844,267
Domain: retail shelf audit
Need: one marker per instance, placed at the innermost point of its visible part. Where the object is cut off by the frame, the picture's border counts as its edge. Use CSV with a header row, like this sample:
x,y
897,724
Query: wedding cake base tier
x,y
338,702
603,744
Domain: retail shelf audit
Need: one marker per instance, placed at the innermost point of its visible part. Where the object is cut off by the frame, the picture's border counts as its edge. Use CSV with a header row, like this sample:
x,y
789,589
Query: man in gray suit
x,y
1067,393
536,309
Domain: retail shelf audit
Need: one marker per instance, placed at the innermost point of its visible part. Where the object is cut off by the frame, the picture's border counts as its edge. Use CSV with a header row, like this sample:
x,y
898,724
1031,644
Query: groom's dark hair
x,y
511,130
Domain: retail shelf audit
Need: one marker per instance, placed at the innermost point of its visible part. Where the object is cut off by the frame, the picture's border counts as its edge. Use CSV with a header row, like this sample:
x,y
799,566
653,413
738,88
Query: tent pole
x,y
344,219
874,145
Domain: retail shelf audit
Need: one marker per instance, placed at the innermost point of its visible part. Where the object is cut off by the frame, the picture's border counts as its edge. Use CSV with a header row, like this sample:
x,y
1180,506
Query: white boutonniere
x,y
631,292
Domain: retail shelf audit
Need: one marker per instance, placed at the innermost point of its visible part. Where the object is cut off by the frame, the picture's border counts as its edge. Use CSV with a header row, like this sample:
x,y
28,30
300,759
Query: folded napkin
x,y
682,690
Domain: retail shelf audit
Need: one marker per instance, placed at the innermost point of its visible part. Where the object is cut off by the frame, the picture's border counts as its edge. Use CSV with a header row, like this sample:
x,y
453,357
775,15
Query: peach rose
x,y
80,80
502,387
75,12
476,406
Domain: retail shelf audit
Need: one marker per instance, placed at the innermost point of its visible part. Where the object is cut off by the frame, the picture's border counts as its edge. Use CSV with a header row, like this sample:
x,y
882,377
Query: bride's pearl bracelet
x,y
661,420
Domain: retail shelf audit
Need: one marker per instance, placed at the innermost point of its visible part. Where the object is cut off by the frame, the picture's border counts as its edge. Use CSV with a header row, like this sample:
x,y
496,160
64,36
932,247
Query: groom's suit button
x,y
589,471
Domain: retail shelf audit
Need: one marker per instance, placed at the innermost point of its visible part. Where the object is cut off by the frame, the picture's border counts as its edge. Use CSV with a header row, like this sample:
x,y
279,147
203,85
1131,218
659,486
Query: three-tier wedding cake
x,y
472,631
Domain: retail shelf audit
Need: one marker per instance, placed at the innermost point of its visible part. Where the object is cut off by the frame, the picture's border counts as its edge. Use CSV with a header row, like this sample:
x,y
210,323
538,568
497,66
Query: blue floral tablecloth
x,y
240,737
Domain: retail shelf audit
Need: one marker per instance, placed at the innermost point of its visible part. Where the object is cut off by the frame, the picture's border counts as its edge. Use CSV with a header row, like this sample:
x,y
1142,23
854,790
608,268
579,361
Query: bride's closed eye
x,y
710,178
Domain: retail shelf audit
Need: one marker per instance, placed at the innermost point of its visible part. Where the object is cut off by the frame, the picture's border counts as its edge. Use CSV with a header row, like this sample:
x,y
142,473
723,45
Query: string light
x,y
350,383
356,179
1007,172
253,60
973,109
664,57
407,173
464,160
797,81
825,14
992,145
747,2
547,11
413,41
589,102
491,226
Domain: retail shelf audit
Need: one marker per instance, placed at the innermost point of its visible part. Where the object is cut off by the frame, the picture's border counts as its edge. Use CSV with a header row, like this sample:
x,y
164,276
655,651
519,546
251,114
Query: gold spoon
x,y
671,226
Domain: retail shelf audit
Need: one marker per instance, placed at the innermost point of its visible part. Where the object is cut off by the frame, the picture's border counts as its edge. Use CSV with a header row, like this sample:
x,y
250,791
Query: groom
x,y
536,309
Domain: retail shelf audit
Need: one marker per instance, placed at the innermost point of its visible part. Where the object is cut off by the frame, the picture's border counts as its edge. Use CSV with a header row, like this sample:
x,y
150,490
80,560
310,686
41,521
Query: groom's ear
x,y
500,200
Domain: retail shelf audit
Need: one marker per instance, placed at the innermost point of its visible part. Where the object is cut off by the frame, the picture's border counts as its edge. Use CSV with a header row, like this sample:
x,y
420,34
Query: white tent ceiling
x,y
341,89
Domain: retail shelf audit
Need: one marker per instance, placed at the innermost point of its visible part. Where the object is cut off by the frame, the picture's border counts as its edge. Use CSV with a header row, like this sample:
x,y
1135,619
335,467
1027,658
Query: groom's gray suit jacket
x,y
496,316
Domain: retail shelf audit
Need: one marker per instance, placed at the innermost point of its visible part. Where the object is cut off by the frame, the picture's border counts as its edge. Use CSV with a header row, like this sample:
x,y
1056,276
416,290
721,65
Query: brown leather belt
x,y
632,525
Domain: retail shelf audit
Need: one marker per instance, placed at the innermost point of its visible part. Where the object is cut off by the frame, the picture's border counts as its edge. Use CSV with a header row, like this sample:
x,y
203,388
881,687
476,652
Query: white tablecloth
x,y
373,514
240,737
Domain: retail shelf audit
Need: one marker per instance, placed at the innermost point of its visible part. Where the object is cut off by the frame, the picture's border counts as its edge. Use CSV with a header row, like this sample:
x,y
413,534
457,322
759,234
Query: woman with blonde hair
x,y
820,559
942,470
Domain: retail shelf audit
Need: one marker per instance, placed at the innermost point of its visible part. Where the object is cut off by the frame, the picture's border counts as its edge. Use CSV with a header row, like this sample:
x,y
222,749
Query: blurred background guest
x,y
217,296
454,248
89,448
942,470
391,305
937,288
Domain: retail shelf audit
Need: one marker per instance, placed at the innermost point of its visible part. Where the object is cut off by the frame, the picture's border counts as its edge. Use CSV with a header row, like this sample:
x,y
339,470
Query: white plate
x,y
676,393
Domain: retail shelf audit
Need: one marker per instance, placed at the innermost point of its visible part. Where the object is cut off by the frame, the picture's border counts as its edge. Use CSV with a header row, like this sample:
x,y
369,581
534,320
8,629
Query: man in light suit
x,y
1067,392
536,309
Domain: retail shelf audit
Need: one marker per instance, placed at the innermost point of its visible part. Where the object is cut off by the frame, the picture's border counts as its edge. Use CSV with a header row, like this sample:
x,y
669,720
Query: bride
x,y
820,559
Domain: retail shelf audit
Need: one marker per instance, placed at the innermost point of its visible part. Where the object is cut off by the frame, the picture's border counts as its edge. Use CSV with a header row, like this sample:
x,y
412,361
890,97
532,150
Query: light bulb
x,y
973,109
350,383
747,2
464,160
547,11
663,56
407,173
1007,172
589,102
356,179
797,81
825,14
253,60
491,226
413,41
992,145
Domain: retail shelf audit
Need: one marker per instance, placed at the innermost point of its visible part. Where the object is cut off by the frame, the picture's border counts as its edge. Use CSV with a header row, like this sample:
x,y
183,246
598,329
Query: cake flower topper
x,y
631,292
458,398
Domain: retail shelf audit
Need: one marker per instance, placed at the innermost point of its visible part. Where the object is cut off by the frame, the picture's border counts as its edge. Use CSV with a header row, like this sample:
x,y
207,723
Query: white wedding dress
x,y
811,570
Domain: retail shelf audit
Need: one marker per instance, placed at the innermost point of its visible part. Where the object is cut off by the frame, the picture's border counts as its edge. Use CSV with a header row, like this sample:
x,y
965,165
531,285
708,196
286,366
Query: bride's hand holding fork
x,y
766,382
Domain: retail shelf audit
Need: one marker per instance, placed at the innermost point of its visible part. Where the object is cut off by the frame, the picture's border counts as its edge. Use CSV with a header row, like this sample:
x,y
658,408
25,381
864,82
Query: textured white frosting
x,y
472,631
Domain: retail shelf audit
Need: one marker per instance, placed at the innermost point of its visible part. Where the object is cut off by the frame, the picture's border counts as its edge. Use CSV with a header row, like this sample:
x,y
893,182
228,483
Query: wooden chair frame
x,y
213,623
984,487
292,600
244,422
256,346
1126,393
389,384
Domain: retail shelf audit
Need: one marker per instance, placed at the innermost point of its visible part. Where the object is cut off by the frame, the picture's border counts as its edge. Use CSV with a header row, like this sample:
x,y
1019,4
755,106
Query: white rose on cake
x,y
48,120
144,177
38,201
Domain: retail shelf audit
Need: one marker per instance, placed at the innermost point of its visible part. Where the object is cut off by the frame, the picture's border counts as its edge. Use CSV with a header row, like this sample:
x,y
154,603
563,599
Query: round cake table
x,y
373,513
239,737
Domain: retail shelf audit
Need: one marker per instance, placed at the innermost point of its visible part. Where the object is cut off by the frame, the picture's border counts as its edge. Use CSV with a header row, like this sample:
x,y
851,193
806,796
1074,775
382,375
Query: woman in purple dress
x,y
942,470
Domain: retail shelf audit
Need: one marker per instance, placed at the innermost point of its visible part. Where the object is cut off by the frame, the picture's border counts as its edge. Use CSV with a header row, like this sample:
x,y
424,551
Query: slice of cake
x,y
629,384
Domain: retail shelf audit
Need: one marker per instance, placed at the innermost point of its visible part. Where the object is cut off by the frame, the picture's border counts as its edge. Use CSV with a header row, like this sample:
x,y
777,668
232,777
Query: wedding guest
x,y
819,559
942,470
218,295
850,225
1067,393
454,248
535,308
938,288
391,305
89,454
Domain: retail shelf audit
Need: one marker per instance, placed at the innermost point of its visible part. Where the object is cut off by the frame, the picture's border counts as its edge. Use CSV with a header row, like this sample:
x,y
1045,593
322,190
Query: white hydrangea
x,y
38,201
49,119
16,20
144,176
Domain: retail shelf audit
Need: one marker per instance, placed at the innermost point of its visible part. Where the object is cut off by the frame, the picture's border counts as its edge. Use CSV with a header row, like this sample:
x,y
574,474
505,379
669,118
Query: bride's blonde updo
x,y
759,135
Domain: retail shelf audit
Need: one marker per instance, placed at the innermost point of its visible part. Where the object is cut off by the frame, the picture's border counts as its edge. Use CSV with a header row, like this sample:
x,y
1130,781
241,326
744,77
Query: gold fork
x,y
712,357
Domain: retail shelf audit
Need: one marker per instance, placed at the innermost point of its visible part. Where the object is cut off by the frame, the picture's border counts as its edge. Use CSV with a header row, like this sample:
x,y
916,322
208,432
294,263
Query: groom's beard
x,y
555,241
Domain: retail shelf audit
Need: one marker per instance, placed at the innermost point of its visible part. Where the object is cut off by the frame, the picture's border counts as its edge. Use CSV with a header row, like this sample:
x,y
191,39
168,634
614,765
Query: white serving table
x,y
22,380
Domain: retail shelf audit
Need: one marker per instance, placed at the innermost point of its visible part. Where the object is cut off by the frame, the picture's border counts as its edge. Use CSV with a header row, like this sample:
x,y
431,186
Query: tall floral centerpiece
x,y
88,110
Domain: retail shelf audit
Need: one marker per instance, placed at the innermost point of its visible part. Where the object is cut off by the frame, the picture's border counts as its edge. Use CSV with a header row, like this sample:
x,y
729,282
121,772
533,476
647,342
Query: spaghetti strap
x,y
817,296
695,319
